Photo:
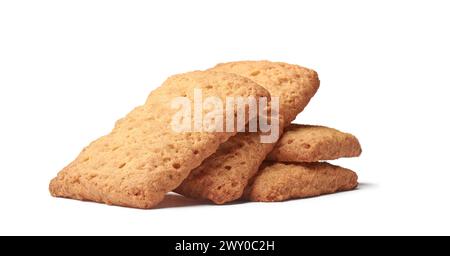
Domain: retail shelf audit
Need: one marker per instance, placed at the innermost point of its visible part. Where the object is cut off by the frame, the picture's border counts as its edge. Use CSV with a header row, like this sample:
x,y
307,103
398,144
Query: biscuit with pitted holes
x,y
143,158
223,177
283,181
311,143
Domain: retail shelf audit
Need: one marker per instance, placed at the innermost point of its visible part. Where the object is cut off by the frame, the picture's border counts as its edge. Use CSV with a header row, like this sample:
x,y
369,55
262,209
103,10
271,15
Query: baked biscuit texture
x,y
143,158
295,85
310,143
223,177
283,181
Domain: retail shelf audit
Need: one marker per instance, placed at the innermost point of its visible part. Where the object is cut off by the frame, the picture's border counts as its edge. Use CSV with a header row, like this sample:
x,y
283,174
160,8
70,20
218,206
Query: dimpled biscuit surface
x,y
295,85
310,143
143,158
223,177
283,181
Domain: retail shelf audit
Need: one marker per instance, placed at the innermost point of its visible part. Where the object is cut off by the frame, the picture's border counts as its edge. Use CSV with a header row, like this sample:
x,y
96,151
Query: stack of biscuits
x,y
143,158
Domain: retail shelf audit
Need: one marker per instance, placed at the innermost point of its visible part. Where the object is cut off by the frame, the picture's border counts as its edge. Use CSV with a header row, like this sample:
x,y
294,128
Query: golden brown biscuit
x,y
295,85
143,158
281,181
223,177
310,143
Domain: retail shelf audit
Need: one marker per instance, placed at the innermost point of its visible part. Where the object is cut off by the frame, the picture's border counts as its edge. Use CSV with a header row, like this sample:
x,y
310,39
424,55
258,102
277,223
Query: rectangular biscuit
x,y
310,143
143,158
283,181
223,177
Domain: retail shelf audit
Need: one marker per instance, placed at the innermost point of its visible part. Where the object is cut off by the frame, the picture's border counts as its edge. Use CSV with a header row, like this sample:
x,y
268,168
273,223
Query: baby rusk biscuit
x,y
311,143
282,181
143,158
223,177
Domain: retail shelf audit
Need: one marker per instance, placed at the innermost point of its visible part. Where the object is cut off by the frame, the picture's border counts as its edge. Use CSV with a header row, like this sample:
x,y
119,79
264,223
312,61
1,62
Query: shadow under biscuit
x,y
366,185
173,200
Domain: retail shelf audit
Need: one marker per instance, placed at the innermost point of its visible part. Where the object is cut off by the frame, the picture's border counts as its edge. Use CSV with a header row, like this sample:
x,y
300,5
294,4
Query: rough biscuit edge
x,y
314,154
249,194
56,185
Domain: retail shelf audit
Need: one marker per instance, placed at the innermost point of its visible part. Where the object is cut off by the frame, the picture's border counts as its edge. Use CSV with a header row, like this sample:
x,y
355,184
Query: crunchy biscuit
x,y
310,143
283,181
143,158
223,177
295,85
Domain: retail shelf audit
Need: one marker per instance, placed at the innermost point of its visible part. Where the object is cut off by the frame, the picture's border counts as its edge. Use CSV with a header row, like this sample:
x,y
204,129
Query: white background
x,y
69,69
